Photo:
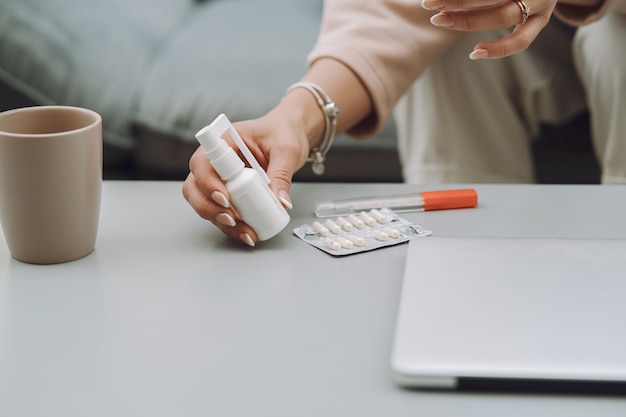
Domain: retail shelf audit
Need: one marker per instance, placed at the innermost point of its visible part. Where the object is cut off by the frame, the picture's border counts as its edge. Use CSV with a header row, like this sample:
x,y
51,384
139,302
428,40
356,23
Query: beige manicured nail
x,y
442,20
225,219
245,238
479,54
432,4
220,199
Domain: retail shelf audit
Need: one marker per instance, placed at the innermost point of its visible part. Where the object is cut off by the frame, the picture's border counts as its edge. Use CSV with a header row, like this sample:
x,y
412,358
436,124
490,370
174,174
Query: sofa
x,y
159,70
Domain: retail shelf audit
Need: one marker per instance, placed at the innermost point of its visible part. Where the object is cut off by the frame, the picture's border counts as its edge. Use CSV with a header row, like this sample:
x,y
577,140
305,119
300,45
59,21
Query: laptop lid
x,y
512,312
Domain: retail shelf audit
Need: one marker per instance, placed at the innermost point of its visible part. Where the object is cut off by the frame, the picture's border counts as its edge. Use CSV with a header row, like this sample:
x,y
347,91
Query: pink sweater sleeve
x,y
387,44
578,16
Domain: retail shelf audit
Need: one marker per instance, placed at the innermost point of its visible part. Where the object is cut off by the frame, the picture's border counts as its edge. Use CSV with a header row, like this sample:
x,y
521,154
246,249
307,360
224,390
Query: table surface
x,y
167,317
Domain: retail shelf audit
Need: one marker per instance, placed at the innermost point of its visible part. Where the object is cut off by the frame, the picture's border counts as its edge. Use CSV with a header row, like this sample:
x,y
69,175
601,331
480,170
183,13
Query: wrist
x,y
304,111
330,112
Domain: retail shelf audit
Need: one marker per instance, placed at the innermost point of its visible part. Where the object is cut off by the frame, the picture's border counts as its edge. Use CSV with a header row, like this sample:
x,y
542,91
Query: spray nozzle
x,y
218,151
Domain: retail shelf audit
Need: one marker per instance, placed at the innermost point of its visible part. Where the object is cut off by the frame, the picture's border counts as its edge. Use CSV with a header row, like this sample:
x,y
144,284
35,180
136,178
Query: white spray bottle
x,y
249,192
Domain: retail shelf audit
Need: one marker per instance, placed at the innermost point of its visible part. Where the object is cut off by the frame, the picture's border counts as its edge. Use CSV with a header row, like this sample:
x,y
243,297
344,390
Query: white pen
x,y
424,201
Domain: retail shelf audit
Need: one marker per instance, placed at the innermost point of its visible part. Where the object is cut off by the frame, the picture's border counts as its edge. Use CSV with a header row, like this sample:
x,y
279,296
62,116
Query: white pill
x,y
367,219
380,235
331,244
345,243
380,218
344,224
332,226
357,240
320,228
394,233
356,222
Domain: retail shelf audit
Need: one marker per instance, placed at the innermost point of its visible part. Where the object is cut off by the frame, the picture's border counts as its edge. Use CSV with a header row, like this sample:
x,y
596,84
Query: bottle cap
x,y
450,199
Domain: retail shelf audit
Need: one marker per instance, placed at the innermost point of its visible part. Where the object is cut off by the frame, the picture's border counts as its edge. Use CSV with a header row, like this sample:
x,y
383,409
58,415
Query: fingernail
x,y
442,20
220,199
225,219
284,198
479,54
245,238
432,4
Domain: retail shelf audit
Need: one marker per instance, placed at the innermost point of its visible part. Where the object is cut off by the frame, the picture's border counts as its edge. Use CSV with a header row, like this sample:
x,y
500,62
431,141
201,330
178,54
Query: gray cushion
x,y
232,57
85,53
159,70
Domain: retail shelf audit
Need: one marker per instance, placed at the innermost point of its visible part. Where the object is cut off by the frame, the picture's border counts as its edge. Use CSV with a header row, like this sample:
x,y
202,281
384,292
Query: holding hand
x,y
528,16
281,148
299,128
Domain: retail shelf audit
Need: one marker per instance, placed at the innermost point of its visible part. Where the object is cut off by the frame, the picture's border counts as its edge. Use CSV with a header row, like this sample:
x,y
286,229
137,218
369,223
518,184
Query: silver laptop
x,y
508,313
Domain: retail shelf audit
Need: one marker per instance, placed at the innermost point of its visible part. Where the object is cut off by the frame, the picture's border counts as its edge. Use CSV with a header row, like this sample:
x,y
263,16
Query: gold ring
x,y
525,11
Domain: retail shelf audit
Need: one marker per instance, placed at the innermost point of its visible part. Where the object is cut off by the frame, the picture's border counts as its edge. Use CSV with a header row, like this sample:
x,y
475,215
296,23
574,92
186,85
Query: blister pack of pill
x,y
361,232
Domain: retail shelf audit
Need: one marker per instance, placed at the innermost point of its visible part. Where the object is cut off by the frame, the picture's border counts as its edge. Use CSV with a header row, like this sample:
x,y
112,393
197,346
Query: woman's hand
x,y
281,142
528,16
279,145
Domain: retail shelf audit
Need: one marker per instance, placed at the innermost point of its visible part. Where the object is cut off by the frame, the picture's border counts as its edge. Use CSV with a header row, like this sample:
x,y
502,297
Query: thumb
x,y
281,175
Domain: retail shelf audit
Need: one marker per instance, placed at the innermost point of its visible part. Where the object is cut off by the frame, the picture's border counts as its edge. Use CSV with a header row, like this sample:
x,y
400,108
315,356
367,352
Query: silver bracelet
x,y
331,111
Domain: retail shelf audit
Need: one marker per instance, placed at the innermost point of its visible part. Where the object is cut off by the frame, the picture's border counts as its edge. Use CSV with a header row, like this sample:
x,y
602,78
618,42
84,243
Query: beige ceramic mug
x,y
50,182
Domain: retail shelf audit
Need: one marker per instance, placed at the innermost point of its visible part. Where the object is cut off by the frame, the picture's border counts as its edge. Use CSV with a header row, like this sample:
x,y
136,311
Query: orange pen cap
x,y
450,199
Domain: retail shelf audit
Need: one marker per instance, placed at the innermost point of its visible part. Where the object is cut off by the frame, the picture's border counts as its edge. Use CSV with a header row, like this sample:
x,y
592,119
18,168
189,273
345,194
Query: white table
x,y
169,318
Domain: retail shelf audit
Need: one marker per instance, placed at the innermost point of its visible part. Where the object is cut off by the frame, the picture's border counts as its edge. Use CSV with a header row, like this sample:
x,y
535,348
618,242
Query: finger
x,y
285,155
223,219
207,180
208,196
205,176
281,175
459,4
517,41
285,160
504,15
